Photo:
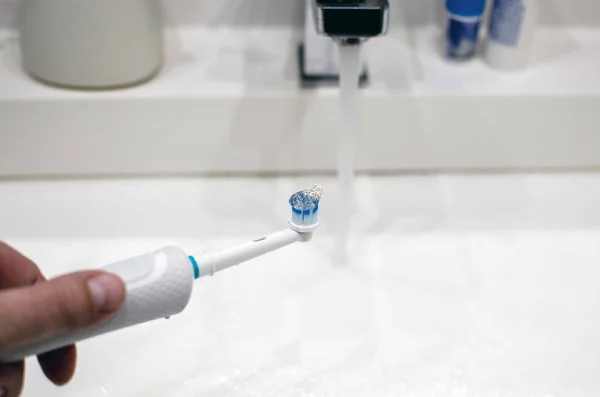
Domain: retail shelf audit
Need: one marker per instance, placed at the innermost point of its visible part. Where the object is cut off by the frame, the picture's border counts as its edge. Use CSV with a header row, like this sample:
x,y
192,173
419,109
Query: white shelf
x,y
229,62
228,100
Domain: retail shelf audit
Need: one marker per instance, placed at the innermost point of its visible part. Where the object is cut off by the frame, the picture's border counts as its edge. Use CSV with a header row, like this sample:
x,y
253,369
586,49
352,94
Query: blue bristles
x,y
306,217
305,207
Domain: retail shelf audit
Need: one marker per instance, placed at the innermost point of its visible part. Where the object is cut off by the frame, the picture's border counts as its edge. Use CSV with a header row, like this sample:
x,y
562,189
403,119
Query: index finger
x,y
16,270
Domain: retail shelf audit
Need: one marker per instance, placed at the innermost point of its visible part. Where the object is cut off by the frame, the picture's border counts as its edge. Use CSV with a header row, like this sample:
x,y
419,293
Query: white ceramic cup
x,y
94,44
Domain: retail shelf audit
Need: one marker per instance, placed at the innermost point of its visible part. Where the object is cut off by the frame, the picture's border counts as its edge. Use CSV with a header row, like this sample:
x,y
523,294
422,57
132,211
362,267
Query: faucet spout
x,y
332,22
351,20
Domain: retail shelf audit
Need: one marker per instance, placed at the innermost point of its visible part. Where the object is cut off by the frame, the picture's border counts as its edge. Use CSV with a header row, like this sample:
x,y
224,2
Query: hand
x,y
34,309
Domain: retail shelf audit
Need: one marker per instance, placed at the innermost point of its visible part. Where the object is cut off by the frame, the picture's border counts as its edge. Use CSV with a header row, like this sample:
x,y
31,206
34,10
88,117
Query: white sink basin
x,y
460,286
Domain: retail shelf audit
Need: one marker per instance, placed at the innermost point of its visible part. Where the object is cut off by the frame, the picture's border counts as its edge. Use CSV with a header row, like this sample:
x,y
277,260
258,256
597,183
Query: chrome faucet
x,y
332,22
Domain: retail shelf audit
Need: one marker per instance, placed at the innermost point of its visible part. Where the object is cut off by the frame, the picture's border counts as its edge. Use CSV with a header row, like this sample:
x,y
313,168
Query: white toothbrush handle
x,y
159,284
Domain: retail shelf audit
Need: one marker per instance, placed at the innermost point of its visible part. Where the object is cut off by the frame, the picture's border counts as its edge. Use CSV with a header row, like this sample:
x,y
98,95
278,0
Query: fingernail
x,y
107,293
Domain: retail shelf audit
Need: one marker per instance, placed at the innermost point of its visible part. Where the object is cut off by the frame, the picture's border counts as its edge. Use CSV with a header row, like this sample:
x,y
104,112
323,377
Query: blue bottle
x,y
464,20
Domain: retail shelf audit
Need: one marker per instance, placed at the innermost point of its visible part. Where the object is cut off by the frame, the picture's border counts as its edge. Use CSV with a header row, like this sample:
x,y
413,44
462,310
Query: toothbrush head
x,y
305,209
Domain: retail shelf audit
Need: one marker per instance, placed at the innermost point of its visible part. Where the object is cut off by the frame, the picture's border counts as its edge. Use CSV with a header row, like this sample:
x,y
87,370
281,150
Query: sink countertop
x,y
459,286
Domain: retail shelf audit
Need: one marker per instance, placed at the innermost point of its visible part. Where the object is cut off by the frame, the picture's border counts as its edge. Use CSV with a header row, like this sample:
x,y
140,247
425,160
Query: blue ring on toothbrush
x,y
196,267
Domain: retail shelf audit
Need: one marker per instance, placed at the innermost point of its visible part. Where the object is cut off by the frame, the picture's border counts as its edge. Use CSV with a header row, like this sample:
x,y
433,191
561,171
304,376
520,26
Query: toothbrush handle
x,y
159,284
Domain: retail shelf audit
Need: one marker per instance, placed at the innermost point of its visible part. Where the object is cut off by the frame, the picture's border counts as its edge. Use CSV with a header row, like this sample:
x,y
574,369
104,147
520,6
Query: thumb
x,y
50,309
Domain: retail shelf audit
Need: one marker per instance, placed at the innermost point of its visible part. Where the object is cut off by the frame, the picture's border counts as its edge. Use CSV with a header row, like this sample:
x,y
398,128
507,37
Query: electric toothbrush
x,y
159,284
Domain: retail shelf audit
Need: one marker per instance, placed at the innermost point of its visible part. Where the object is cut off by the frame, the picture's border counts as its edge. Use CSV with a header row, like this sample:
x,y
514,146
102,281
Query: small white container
x,y
511,33
93,44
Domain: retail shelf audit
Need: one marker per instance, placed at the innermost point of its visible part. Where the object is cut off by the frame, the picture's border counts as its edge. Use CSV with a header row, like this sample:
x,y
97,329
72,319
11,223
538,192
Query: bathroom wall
x,y
286,12
280,12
